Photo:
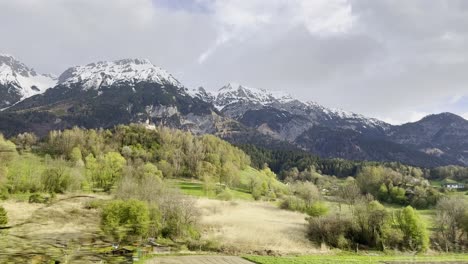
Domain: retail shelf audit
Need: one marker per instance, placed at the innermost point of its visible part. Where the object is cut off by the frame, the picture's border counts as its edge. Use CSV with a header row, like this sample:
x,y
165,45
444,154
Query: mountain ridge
x,y
18,81
108,93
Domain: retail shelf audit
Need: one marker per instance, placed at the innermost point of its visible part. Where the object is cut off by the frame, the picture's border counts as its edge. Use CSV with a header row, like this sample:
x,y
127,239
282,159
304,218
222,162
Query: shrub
x,y
306,191
393,238
3,194
3,216
293,203
414,229
204,245
125,220
317,209
38,198
55,180
332,230
257,194
171,214
93,204
225,195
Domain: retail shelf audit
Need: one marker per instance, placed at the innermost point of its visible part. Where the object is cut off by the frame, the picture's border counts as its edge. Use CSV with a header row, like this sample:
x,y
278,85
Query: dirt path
x,y
199,260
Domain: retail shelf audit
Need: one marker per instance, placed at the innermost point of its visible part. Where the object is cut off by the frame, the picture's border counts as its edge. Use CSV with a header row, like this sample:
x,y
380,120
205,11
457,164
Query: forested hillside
x,y
140,172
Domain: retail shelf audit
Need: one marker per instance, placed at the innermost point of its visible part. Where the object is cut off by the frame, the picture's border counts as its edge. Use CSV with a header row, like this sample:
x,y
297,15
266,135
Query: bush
x,y
225,195
125,220
257,194
332,230
55,180
3,216
204,245
4,194
38,198
172,214
93,204
293,203
414,229
317,209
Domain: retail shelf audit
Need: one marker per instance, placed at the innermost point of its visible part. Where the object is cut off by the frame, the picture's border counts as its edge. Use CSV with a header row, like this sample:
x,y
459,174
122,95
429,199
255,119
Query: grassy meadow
x,y
369,259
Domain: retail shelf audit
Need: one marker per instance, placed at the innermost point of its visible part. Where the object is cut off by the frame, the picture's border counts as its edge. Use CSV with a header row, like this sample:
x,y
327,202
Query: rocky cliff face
x,y
337,133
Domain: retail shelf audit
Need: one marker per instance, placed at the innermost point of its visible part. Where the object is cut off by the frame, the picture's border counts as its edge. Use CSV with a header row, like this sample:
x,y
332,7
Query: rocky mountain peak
x,y
107,73
18,81
444,117
236,93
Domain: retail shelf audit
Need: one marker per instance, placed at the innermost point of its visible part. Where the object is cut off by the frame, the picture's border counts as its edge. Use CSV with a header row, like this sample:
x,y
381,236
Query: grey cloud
x,y
398,59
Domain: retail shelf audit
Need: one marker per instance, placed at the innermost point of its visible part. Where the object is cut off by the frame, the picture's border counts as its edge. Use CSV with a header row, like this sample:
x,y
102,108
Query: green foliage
x,y
38,198
414,229
93,204
175,153
225,195
56,178
451,223
24,174
346,258
293,203
330,229
7,150
104,171
76,157
317,209
25,141
3,217
305,198
125,221
370,224
389,185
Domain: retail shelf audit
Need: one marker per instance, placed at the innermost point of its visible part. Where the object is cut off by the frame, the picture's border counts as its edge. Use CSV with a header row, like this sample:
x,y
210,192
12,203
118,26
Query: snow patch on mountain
x,y
106,73
234,100
235,93
25,81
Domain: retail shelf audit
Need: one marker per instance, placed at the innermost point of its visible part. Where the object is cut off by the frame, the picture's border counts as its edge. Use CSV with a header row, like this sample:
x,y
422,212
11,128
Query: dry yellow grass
x,y
254,227
48,231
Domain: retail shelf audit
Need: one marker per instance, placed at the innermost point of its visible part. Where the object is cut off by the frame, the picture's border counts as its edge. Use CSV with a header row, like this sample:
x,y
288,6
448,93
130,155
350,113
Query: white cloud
x,y
238,20
404,117
325,17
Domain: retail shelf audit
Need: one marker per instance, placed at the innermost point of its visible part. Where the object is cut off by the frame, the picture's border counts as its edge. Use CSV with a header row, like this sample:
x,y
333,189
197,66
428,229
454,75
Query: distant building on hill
x,y
453,185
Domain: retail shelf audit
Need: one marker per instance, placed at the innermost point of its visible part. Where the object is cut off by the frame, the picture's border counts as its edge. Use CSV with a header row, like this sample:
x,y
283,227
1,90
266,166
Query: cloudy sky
x,y
397,60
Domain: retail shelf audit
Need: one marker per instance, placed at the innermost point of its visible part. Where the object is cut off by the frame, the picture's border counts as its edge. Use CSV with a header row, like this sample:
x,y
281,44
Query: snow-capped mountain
x,y
233,93
282,116
107,73
105,94
18,81
324,131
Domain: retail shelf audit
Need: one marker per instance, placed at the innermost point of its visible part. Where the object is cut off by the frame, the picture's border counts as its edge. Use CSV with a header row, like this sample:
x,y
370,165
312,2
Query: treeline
x,y
367,224
283,161
99,157
362,222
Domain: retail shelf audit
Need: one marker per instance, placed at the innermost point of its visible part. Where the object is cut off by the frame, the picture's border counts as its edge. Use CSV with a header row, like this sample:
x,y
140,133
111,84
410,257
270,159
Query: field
x,y
254,227
195,188
324,259
199,260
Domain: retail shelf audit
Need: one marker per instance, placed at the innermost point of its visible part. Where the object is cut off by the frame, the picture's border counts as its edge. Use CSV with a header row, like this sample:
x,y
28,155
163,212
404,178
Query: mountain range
x,y
105,94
